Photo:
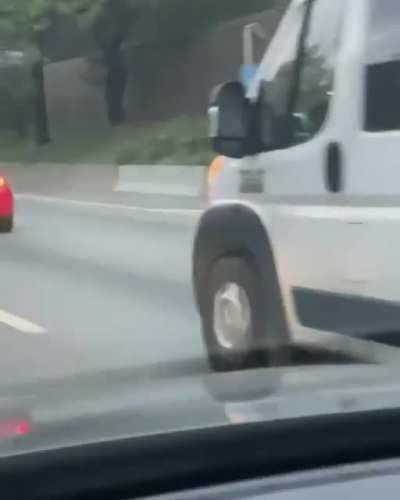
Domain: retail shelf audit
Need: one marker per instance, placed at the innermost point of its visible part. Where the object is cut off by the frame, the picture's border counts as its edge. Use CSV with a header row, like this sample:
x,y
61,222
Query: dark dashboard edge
x,y
165,463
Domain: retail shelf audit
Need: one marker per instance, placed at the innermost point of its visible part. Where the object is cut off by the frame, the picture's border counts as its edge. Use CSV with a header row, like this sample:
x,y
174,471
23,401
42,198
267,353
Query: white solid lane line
x,y
20,324
111,206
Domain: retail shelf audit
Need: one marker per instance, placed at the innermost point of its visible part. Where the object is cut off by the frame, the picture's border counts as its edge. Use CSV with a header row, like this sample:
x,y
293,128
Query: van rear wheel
x,y
235,324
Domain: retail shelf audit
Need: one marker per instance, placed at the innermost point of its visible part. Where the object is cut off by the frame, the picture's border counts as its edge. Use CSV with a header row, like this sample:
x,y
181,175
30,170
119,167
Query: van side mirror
x,y
230,120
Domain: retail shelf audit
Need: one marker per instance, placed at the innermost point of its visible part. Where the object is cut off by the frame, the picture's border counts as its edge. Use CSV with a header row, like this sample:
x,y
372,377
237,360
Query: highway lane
x,y
95,287
110,287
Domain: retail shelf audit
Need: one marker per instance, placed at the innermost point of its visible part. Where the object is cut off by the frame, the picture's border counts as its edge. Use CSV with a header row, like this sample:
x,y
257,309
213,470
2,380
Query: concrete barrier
x,y
176,180
60,179
73,180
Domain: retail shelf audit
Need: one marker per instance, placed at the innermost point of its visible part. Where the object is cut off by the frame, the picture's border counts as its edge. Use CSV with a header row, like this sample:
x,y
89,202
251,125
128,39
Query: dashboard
x,y
362,481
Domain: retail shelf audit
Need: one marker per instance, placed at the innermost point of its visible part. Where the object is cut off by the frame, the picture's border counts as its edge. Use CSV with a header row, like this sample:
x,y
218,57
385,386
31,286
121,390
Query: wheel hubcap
x,y
232,316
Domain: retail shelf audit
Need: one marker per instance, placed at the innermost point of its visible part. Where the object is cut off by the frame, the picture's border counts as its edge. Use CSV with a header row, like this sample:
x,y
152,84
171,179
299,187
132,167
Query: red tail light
x,y
14,427
6,199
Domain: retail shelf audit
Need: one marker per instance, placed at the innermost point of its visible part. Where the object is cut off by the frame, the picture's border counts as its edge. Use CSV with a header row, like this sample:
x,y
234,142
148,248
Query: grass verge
x,y
179,141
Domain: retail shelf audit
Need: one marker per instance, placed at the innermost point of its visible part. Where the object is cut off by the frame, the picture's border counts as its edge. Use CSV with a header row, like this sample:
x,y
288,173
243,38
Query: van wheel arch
x,y
236,231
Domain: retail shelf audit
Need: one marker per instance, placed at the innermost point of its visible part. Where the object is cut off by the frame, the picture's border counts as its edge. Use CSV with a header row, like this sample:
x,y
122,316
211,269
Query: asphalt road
x,y
102,287
105,288
99,336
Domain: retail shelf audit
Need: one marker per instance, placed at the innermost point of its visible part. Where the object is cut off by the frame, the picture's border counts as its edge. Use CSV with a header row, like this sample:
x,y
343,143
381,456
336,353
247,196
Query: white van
x,y
301,241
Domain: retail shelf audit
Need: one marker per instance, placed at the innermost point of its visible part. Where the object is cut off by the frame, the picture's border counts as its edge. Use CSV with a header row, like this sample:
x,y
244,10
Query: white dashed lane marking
x,y
20,324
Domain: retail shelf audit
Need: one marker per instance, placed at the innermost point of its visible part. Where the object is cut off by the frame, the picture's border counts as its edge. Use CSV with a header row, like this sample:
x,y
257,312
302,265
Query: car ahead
x,y
300,242
6,206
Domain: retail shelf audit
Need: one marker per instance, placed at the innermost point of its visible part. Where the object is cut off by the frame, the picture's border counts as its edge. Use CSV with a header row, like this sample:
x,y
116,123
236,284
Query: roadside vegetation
x,y
179,141
102,28
108,31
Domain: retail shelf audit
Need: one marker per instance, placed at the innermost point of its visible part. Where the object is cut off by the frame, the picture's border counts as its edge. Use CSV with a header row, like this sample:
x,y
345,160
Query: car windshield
x,y
198,213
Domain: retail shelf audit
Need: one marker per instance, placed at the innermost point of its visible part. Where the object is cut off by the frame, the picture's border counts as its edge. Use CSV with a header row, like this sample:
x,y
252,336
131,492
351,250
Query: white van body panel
x,y
345,242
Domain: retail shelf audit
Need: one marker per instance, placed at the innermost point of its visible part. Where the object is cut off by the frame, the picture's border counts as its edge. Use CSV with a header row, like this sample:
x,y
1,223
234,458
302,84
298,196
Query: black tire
x,y
255,351
6,225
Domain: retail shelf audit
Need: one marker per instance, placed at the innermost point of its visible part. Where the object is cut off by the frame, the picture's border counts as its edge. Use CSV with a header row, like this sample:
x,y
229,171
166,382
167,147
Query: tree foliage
x,y
186,18
28,24
23,21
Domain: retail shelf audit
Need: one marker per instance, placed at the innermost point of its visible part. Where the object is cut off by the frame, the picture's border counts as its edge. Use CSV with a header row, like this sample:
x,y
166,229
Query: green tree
x,y
179,19
111,28
23,23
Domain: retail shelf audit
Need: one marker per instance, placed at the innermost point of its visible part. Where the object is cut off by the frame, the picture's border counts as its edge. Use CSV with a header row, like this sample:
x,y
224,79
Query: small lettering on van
x,y
252,181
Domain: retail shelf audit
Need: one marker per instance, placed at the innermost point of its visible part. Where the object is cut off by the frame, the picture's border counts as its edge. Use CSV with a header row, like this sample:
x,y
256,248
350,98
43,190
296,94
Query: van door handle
x,y
334,167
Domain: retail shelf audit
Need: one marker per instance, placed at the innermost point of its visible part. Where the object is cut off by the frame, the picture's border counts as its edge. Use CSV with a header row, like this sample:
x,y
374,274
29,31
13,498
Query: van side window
x,y
383,67
277,72
316,79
